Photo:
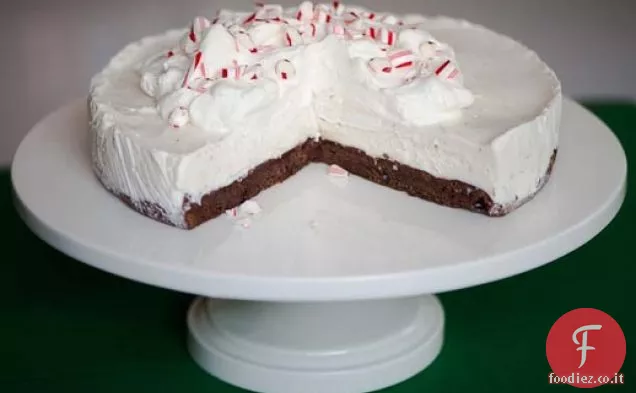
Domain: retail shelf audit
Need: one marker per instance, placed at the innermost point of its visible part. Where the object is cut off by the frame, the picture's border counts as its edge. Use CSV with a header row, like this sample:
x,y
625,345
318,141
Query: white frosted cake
x,y
192,122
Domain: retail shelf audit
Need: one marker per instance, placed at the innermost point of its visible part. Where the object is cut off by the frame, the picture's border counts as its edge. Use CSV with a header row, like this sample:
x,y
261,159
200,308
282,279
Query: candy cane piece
x,y
380,65
338,29
322,15
402,59
198,26
285,69
369,15
253,72
196,70
338,8
244,41
292,37
179,117
305,11
233,212
387,36
336,171
350,17
447,70
372,32
234,72
250,18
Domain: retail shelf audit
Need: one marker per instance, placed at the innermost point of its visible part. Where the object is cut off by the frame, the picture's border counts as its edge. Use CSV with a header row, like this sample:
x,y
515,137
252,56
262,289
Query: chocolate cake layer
x,y
260,178
383,171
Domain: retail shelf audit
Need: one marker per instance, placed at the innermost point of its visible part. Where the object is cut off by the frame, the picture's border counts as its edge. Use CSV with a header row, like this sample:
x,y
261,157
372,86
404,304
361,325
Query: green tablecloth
x,y
66,327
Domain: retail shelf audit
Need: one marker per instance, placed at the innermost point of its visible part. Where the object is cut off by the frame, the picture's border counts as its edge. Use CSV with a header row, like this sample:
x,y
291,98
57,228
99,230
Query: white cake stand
x,y
330,290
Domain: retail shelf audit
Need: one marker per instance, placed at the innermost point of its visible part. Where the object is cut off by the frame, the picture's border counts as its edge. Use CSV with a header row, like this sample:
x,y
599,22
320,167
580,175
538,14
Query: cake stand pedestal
x,y
331,288
355,346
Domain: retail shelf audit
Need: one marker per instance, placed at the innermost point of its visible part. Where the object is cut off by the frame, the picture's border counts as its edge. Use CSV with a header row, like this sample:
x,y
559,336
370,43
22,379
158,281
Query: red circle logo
x,y
586,348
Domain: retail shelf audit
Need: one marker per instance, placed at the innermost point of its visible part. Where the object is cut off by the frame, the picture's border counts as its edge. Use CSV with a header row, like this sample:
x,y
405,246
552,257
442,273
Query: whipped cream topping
x,y
241,64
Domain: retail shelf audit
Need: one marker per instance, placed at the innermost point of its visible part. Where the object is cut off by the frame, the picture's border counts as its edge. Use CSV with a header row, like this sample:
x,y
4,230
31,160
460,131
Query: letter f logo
x,y
583,344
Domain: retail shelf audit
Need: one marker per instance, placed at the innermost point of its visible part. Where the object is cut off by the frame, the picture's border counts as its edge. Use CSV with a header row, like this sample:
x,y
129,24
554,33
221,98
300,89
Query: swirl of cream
x,y
228,104
430,100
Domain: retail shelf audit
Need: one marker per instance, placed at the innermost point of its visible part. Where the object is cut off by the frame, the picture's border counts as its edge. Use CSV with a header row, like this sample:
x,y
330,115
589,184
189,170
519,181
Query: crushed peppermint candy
x,y
337,171
244,213
380,65
293,37
404,51
285,69
447,70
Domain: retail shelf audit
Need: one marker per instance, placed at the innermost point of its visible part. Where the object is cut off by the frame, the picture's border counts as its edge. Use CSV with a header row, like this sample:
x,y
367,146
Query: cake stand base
x,y
341,347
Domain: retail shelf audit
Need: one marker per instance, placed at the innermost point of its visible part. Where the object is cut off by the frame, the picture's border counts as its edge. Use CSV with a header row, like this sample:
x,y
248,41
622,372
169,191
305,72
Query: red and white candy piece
x,y
350,17
447,70
253,72
373,32
179,117
196,70
305,11
336,171
235,72
243,214
293,37
233,212
250,19
337,8
402,59
387,36
338,29
197,28
199,25
244,41
322,14
380,65
369,15
312,30
382,34
285,69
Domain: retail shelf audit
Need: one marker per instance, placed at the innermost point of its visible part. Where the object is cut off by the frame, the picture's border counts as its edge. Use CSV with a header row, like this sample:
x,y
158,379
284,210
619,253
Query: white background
x,y
50,49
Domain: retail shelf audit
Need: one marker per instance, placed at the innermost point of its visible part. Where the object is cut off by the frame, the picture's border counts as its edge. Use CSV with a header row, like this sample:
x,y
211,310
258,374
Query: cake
x,y
190,123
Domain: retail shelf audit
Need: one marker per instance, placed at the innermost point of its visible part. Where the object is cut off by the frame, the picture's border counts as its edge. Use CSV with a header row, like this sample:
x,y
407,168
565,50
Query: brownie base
x,y
383,171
